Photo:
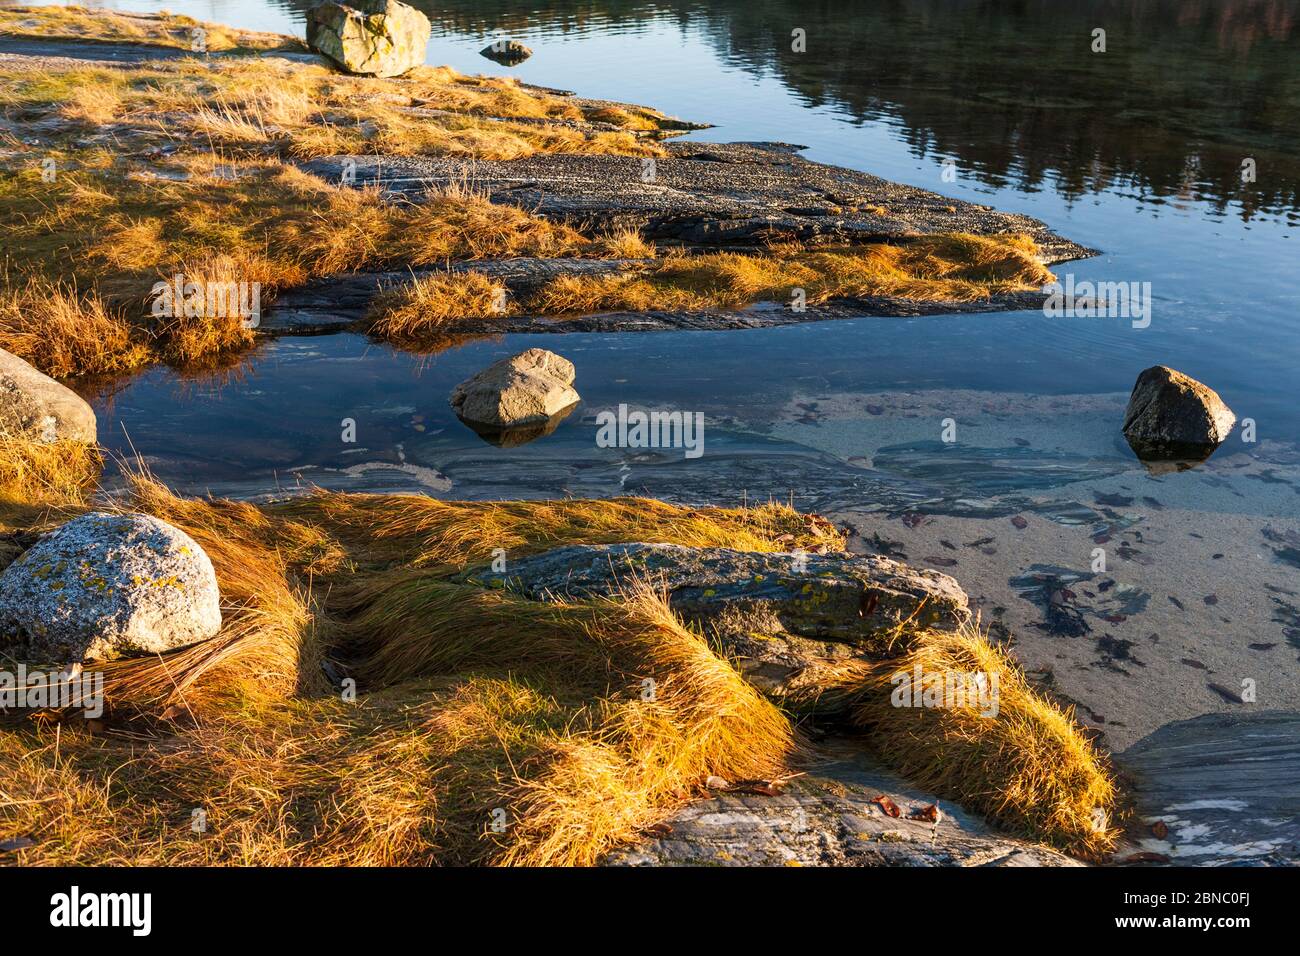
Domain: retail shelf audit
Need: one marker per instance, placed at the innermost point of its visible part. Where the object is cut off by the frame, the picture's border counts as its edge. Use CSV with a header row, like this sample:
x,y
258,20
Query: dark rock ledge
x,y
707,194
703,196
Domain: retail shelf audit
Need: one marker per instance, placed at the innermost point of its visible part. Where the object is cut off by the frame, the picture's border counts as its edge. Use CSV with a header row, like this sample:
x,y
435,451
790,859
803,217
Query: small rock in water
x,y
1171,416
506,52
531,390
105,586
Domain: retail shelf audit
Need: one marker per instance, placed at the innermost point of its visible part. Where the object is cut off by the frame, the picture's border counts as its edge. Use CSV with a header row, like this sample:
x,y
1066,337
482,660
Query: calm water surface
x,y
1136,152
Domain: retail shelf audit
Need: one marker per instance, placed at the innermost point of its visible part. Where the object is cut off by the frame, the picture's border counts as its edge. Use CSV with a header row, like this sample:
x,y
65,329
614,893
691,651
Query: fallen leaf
x,y
887,805
1159,830
1020,522
929,814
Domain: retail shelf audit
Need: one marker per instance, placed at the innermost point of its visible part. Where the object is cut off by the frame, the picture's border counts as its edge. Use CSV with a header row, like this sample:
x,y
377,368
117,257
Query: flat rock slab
x,y
707,194
836,597
828,818
1223,789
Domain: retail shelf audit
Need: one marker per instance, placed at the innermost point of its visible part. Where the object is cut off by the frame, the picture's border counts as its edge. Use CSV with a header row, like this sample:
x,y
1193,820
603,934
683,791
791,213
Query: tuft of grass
x,y
63,333
429,303
1029,768
955,267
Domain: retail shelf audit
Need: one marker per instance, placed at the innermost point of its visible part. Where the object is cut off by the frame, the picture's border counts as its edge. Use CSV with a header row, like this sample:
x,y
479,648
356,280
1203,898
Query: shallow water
x,y
1034,123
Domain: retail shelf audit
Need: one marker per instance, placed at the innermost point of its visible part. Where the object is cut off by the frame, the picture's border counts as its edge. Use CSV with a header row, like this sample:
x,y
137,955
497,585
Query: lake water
x,y
1136,151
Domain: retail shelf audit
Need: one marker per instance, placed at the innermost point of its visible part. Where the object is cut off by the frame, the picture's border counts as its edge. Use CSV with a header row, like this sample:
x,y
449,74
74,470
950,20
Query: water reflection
x,y
1183,95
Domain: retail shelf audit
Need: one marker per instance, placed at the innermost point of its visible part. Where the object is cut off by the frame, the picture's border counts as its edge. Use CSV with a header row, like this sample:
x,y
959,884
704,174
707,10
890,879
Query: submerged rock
x,y
524,391
105,586
369,37
506,52
787,617
35,406
1173,416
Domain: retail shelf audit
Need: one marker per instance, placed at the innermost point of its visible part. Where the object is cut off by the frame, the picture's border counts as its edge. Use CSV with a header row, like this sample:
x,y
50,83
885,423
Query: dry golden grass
x,y
1029,768
159,29
63,333
224,200
955,267
46,474
420,532
622,244
428,303
474,705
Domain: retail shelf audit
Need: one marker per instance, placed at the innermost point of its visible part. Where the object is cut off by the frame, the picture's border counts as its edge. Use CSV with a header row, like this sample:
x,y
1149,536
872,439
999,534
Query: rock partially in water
x,y
832,816
36,407
506,52
105,586
1173,417
1221,789
369,37
526,390
788,617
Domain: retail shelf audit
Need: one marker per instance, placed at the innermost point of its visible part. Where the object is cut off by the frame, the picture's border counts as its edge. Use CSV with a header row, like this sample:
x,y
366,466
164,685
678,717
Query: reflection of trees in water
x,y
1186,91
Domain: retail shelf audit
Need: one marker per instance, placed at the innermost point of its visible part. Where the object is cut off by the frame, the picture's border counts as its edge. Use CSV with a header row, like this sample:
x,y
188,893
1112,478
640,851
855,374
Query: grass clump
x,y
1027,767
428,303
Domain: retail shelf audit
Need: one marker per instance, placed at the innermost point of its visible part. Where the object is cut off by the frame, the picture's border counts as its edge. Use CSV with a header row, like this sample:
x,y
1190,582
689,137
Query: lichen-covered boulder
x,y
369,37
36,407
506,52
105,586
528,389
1173,412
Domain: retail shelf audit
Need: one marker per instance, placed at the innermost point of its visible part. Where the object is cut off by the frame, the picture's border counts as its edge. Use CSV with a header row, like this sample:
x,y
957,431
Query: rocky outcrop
x,y
708,194
786,617
1171,415
506,52
369,37
105,586
526,391
35,406
840,813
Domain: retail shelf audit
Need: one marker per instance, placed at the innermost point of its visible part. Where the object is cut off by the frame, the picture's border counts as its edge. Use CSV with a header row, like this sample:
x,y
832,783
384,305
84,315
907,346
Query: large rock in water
x,y
526,390
35,406
788,617
370,37
1171,414
105,586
